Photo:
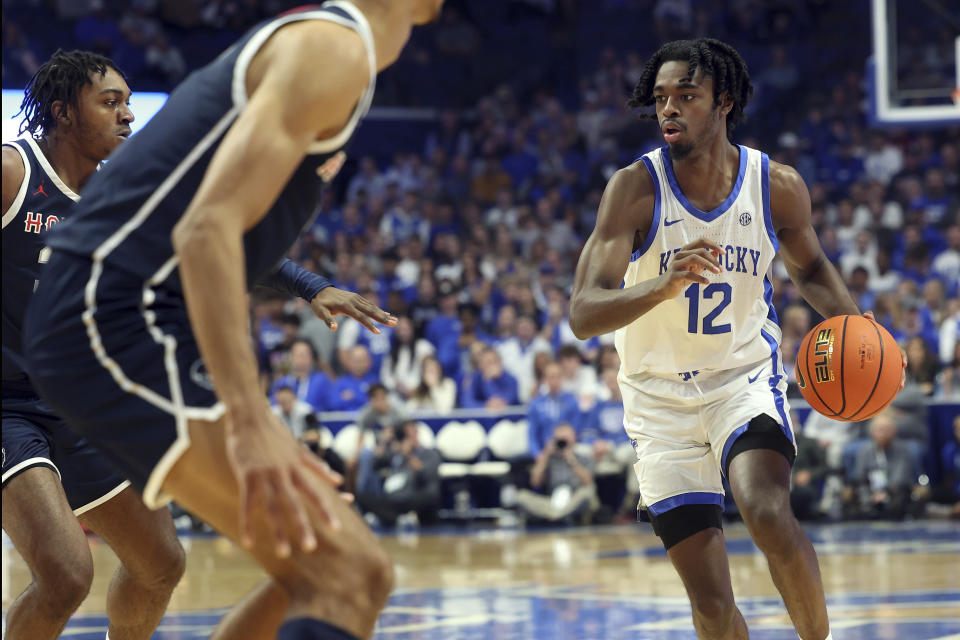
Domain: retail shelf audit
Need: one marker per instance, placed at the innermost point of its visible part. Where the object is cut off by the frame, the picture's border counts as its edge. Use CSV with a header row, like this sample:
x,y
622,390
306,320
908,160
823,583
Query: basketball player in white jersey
x,y
677,266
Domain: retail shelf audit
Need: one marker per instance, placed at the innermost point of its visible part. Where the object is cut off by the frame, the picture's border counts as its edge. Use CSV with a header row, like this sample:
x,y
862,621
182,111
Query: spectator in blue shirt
x,y
859,289
390,280
404,220
349,392
490,386
455,349
604,422
308,383
443,329
352,333
549,409
946,494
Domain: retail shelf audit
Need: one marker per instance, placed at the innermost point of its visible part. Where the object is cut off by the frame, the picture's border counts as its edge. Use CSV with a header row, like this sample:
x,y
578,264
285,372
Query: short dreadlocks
x,y
716,59
60,78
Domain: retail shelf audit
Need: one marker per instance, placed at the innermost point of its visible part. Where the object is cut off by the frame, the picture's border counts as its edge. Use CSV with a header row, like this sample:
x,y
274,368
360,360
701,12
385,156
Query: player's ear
x,y
726,103
59,112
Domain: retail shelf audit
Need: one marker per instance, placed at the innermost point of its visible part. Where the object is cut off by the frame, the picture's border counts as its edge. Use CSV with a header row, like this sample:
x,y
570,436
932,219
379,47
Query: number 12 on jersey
x,y
693,320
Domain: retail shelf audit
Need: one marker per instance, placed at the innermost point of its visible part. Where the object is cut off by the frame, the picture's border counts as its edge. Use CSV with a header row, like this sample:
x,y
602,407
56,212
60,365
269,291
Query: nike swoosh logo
x,y
667,223
753,379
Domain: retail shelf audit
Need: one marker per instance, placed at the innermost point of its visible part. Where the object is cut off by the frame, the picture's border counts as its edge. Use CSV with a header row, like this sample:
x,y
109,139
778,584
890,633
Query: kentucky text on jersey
x,y
736,259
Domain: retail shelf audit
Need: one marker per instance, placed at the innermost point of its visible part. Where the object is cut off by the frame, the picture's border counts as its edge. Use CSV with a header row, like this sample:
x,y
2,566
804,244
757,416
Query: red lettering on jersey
x,y
34,222
300,9
40,191
52,220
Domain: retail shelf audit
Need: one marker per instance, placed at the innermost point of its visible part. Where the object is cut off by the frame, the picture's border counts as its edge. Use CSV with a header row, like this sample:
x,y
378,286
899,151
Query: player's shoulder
x,y
784,180
317,56
632,183
628,200
313,41
14,172
789,197
12,160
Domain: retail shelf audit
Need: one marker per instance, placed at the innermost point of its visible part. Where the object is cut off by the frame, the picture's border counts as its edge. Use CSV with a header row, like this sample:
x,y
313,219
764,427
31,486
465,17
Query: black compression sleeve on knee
x,y
763,433
681,522
310,629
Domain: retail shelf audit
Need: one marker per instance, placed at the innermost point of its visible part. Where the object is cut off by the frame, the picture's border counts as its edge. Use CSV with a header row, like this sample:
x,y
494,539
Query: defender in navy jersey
x,y
77,105
677,266
138,331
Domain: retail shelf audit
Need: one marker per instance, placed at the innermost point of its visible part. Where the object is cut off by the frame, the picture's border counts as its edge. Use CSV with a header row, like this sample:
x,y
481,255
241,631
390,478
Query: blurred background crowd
x,y
468,229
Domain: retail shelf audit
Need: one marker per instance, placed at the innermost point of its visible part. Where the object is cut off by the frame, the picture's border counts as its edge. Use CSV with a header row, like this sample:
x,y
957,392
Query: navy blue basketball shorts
x,y
33,436
115,356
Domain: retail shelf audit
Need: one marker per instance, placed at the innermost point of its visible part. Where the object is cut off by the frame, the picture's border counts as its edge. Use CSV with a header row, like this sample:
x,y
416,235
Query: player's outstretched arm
x,y
13,174
598,305
306,85
816,278
326,300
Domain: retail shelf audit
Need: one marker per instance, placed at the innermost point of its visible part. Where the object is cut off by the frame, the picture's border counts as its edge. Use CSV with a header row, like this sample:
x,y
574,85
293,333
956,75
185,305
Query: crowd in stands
x,y
472,239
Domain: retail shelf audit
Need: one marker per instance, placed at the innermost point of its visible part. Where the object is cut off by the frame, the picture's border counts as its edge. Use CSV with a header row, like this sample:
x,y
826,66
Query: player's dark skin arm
x,y
330,301
13,173
816,278
598,305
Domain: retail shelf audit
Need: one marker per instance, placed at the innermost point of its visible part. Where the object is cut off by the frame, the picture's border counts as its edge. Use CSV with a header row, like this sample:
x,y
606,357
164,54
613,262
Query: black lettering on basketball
x,y
823,355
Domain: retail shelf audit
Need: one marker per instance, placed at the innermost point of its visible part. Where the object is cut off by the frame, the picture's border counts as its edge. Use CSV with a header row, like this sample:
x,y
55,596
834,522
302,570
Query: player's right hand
x,y
687,266
276,478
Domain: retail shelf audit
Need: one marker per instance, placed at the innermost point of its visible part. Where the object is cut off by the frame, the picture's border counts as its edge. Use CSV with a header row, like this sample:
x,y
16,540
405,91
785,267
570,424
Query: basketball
x,y
849,368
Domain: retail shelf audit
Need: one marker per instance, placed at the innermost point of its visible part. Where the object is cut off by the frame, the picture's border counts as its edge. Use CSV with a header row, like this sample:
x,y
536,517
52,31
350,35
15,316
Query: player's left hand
x,y
332,302
903,354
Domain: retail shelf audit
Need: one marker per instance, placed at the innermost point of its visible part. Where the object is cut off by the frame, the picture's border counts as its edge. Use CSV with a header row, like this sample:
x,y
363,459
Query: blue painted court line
x,y
545,613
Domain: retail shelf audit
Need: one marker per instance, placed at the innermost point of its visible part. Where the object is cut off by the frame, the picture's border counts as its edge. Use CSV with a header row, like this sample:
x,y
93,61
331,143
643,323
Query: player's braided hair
x,y
59,78
716,59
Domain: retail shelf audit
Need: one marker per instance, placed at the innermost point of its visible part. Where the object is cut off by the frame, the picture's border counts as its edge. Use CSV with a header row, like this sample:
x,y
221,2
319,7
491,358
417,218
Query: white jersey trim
x,y
767,213
102,499
30,462
361,26
45,164
14,209
723,207
655,221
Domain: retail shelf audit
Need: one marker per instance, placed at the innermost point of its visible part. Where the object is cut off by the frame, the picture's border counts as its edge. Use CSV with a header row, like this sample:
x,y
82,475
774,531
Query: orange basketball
x,y
849,368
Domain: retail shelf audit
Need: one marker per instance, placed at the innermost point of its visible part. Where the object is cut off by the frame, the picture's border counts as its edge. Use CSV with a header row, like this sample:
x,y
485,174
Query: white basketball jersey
x,y
728,323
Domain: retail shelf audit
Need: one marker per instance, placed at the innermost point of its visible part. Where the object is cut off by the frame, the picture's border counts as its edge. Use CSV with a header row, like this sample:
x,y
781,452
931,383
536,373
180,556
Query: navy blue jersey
x,y
131,206
42,201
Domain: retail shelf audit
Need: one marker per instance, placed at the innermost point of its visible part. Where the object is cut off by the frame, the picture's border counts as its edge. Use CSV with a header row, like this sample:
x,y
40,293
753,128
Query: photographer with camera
x,y
311,440
564,482
379,417
291,410
411,478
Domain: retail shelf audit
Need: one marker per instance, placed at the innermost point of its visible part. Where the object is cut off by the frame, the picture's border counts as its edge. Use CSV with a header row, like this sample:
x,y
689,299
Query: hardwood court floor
x,y
884,581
